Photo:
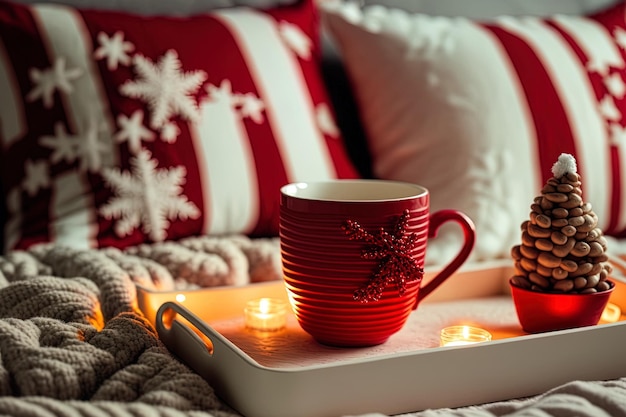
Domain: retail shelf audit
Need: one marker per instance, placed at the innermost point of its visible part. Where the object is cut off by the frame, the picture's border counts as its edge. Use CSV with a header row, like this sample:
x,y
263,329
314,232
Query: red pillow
x,y
118,129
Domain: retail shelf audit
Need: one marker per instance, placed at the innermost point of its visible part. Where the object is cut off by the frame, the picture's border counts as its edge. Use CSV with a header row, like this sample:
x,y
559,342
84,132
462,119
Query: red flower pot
x,y
542,312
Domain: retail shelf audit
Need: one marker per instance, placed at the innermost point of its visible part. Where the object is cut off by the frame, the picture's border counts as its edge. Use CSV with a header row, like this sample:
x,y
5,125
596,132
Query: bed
x,y
112,181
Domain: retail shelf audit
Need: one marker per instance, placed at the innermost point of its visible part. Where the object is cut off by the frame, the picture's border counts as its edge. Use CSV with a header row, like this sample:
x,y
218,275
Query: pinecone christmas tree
x,y
562,250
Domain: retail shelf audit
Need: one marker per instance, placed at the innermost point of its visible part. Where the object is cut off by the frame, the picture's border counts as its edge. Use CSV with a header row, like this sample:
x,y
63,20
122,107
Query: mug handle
x,y
437,219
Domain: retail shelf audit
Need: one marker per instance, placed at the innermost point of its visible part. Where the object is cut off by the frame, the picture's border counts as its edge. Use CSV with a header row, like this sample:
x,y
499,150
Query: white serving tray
x,y
382,379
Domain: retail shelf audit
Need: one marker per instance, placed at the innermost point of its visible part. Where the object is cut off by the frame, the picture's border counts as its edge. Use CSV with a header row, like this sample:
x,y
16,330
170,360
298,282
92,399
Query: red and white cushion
x,y
118,129
479,112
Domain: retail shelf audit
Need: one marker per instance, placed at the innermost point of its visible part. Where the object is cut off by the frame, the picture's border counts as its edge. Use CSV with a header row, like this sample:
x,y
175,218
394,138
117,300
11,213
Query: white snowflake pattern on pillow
x,y
147,197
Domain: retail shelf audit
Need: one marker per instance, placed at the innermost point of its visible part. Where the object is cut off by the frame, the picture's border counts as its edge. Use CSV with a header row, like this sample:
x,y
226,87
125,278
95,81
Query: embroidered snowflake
x,y
223,93
147,197
599,65
89,148
167,90
608,109
615,85
249,105
114,49
397,266
296,39
619,35
35,176
325,120
93,144
65,147
133,131
170,132
617,134
49,80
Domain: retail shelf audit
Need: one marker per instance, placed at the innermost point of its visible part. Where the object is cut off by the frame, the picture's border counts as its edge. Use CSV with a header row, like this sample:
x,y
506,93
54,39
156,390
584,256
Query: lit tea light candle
x,y
266,314
611,313
463,335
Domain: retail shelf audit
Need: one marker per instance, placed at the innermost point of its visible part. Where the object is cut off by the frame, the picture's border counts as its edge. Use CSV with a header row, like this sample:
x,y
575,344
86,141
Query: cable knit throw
x,y
72,342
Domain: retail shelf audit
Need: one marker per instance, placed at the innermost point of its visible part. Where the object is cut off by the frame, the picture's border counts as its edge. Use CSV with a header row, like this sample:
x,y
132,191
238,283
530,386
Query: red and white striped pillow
x,y
479,112
118,129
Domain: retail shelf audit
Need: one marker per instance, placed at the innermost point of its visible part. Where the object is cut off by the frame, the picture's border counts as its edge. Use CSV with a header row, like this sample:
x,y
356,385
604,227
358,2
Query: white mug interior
x,y
354,190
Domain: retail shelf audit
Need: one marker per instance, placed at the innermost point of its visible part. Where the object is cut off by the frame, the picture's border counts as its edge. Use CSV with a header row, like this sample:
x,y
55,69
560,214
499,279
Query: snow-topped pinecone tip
x,y
562,250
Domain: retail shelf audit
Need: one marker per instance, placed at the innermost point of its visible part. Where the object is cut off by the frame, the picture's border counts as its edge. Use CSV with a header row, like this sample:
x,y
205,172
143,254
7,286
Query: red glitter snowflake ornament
x,y
397,266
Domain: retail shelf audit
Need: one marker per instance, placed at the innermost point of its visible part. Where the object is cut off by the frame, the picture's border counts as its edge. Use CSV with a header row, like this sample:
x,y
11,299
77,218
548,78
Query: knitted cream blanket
x,y
72,342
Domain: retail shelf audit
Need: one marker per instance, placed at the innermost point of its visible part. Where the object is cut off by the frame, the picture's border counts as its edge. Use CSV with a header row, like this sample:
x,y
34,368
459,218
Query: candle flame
x,y
466,332
264,305
611,313
265,314
460,335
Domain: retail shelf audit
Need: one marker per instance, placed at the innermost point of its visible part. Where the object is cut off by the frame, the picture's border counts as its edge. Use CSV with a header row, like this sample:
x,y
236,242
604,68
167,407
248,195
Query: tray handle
x,y
172,318
199,346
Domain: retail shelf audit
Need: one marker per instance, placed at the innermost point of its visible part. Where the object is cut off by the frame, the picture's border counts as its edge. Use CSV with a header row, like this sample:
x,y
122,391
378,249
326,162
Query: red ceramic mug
x,y
353,254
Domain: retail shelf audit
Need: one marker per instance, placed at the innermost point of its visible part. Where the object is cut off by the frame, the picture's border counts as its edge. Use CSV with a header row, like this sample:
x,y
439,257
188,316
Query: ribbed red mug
x,y
353,254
